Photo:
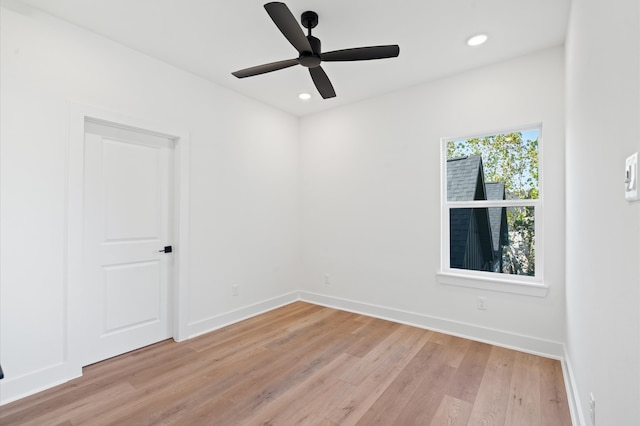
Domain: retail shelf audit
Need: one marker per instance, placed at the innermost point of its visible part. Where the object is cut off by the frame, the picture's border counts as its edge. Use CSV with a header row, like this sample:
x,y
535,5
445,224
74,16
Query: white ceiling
x,y
212,38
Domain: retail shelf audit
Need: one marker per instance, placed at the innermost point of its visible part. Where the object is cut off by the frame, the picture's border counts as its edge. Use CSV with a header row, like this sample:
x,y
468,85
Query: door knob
x,y
167,249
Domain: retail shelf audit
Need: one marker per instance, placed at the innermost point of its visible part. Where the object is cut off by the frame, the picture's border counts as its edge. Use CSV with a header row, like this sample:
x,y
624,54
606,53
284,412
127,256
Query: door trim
x,y
78,115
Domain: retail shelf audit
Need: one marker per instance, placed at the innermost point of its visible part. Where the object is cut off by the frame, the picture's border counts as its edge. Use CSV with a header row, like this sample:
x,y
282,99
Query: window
x,y
492,211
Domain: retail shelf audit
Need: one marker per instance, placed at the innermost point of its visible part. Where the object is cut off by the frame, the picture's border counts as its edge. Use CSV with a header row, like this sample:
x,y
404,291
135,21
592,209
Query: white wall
x,y
244,185
371,200
603,230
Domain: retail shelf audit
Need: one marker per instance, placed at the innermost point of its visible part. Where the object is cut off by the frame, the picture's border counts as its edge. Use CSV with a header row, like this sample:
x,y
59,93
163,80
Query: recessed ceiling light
x,y
304,96
477,40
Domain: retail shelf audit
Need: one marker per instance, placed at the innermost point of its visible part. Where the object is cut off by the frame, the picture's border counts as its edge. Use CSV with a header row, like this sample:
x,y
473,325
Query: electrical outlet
x,y
631,192
235,290
482,303
327,281
592,409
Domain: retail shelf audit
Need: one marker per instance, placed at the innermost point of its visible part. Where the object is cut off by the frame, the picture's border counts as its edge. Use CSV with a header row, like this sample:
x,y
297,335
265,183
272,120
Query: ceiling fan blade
x,y
322,82
262,69
284,20
362,53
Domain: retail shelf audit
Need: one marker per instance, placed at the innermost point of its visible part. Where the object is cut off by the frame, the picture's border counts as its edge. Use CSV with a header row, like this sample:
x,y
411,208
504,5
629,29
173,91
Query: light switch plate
x,y
631,178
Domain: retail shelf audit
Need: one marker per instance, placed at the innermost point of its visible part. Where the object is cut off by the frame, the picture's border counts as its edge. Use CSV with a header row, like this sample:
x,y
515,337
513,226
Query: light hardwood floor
x,y
307,364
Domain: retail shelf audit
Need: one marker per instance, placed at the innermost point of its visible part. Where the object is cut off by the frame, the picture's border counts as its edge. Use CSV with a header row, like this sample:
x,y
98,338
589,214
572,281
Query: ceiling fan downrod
x,y
311,59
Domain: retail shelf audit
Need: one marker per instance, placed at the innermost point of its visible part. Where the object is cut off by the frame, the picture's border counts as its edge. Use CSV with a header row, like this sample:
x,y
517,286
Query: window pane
x,y
503,166
494,239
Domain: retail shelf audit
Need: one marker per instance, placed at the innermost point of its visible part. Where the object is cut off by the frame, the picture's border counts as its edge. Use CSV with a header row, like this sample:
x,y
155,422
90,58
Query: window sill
x,y
493,284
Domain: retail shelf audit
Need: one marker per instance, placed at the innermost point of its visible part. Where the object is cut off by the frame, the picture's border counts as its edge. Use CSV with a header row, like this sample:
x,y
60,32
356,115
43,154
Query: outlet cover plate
x,y
631,178
482,303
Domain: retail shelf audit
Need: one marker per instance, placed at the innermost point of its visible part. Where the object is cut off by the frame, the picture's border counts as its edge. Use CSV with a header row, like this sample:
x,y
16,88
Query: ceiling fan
x,y
308,47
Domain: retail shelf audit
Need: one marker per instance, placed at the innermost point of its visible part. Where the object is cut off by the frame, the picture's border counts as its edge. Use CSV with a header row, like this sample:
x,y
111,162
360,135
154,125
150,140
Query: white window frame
x,y
519,284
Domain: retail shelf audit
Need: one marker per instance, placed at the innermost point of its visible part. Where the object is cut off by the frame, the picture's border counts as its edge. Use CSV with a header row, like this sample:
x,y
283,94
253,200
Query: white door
x,y
127,217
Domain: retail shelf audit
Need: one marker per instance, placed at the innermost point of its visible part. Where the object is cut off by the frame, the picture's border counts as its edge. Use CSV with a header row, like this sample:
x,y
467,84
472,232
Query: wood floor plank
x,y
452,412
456,348
370,362
304,364
489,408
466,381
370,335
323,422
553,396
316,395
170,402
388,407
212,412
172,392
300,357
297,361
523,407
56,413
373,386
239,336
95,379
423,405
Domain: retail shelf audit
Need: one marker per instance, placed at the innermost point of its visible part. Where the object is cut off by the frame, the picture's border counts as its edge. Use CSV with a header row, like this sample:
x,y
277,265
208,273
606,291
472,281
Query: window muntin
x,y
492,206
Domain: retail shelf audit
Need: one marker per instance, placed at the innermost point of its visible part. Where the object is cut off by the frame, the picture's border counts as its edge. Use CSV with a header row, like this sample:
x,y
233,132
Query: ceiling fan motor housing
x,y
311,59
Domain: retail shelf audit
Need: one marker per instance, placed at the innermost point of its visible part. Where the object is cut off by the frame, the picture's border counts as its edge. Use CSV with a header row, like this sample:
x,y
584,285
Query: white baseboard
x,y
505,339
573,396
14,388
213,323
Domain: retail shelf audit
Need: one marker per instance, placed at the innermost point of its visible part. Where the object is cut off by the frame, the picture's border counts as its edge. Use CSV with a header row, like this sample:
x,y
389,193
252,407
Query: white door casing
x,y
78,324
127,212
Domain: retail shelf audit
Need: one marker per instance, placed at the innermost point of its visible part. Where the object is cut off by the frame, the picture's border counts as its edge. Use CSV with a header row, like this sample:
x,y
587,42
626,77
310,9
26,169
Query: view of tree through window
x,y
501,170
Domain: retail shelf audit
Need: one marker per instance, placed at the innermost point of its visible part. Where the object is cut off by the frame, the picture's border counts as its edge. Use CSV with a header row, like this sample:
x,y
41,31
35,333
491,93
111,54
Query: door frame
x,y
178,289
